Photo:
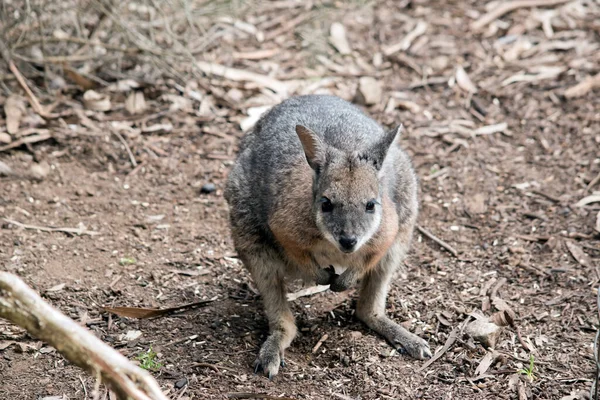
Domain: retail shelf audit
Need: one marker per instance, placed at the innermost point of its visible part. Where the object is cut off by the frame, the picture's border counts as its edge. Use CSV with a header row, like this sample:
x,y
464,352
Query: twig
x,y
127,148
37,107
288,26
84,388
214,367
26,140
76,231
405,43
439,241
456,332
264,396
24,307
593,182
307,292
504,8
320,343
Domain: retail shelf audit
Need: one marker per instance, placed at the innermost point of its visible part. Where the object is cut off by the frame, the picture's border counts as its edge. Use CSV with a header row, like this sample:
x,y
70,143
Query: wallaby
x,y
318,185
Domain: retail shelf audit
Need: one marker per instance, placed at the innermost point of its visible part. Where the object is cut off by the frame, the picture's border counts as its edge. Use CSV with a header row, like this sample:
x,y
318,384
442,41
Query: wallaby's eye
x,y
370,206
326,205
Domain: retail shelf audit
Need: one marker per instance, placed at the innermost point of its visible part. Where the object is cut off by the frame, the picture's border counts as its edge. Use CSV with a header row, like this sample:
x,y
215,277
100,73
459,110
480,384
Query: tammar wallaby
x,y
318,185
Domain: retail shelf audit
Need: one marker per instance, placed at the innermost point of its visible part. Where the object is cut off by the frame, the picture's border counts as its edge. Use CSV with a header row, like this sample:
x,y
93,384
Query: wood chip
x,y
93,100
578,254
135,103
597,228
14,108
582,88
240,75
491,129
369,91
486,362
319,343
506,7
484,332
337,37
407,41
476,204
463,80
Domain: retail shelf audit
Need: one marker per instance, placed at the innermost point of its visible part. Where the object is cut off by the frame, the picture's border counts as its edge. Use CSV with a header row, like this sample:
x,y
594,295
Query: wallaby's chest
x,y
325,254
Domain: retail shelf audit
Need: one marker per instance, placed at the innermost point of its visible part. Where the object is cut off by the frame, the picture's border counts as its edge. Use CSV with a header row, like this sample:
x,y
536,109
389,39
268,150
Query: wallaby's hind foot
x,y
400,338
270,356
265,269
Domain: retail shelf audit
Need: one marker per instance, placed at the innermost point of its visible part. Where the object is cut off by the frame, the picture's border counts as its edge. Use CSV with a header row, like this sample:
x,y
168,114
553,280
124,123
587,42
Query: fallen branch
x,y
75,231
24,307
439,241
505,8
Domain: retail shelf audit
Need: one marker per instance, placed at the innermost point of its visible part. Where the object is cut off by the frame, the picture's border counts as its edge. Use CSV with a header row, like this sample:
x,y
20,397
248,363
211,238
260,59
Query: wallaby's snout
x,y
348,243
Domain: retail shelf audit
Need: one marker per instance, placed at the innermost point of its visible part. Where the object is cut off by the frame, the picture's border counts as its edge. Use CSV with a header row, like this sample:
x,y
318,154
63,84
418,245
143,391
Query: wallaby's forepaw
x,y
343,282
269,358
325,276
415,346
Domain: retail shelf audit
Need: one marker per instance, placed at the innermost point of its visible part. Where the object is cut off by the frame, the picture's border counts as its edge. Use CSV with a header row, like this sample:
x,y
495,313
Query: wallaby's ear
x,y
313,146
380,150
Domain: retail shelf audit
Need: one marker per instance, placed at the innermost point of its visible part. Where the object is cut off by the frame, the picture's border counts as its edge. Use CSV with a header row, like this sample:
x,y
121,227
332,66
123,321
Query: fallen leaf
x,y
5,344
338,38
369,91
80,80
57,288
486,362
135,103
143,313
96,101
578,254
594,198
14,108
464,82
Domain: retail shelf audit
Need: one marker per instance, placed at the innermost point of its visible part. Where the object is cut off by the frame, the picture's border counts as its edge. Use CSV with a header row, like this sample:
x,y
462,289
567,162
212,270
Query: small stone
x,y
39,171
208,188
181,383
484,332
369,91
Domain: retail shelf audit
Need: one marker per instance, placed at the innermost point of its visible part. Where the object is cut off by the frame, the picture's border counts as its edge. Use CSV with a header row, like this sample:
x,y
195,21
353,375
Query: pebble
x,y
208,188
181,383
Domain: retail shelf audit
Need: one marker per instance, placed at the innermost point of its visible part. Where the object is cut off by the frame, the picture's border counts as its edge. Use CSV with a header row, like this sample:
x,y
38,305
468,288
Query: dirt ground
x,y
504,200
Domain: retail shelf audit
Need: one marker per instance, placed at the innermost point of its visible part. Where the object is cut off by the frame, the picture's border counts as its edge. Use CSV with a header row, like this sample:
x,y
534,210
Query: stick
x,y
511,6
27,140
319,343
37,107
594,181
439,241
214,367
127,148
24,307
77,231
263,396
307,292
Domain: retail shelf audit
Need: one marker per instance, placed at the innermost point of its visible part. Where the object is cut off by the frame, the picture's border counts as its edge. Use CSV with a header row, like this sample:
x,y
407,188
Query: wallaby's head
x,y
347,189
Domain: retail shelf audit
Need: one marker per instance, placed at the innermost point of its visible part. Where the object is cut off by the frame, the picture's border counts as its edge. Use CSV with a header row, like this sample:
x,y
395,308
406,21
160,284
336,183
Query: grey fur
x,y
305,150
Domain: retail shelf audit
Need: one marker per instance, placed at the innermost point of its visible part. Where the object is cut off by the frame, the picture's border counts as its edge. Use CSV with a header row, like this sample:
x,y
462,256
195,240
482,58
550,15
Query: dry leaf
x,y
143,313
594,198
80,80
338,38
578,254
369,91
96,101
135,103
464,82
57,288
5,344
14,108
486,362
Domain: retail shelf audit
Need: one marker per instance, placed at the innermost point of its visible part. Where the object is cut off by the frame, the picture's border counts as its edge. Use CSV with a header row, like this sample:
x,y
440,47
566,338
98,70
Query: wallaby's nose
x,y
347,242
